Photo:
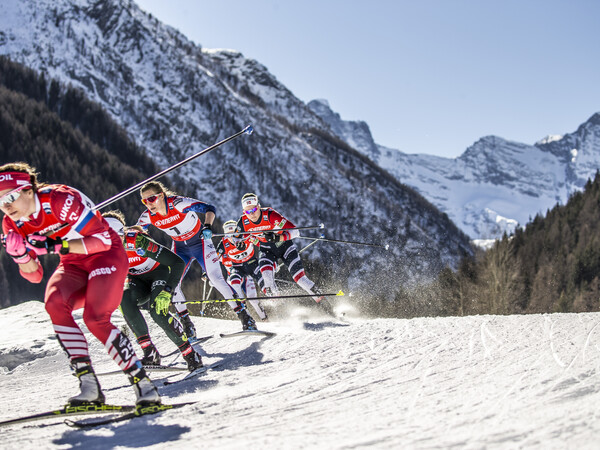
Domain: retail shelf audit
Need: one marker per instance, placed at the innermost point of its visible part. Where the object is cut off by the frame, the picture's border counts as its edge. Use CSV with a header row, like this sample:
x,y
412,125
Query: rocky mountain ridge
x,y
496,184
175,98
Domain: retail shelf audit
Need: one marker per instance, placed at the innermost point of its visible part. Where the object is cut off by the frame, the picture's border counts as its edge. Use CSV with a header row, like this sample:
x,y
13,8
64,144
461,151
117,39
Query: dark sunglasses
x,y
250,211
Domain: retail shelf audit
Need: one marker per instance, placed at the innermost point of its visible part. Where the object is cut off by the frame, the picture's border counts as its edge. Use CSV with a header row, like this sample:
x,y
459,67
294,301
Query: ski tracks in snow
x,y
474,382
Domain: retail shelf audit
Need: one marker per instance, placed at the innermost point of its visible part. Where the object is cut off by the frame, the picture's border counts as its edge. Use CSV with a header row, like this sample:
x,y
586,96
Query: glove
x,y
162,302
43,245
241,245
141,241
271,237
16,247
206,231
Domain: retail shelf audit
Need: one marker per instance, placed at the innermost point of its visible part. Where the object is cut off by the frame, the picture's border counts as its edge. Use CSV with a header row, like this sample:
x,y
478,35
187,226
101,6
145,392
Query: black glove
x,y
241,245
43,245
271,237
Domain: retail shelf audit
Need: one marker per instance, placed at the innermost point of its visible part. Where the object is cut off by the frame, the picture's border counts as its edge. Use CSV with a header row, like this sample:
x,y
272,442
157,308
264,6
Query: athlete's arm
x,y
96,238
162,255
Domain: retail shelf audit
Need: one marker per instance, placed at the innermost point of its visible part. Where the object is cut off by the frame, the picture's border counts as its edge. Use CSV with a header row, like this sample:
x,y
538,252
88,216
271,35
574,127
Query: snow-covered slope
x,y
176,98
471,382
495,184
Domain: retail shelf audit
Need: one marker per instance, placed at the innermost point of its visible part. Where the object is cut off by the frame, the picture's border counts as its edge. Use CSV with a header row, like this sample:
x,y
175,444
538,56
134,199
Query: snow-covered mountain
x,y
495,184
175,98
494,382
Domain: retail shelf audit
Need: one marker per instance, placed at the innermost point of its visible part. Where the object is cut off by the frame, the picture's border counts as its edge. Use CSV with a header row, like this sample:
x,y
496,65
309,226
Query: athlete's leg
x,y
266,263
107,272
296,268
251,293
178,299
65,289
134,291
235,281
212,267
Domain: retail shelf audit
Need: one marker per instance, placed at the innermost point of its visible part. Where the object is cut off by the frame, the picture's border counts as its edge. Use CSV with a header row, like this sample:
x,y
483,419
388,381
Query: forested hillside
x,y
551,265
69,140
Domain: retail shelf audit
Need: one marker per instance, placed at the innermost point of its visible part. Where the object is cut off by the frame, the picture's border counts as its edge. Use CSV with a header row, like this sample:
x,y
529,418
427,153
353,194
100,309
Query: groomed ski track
x,y
473,382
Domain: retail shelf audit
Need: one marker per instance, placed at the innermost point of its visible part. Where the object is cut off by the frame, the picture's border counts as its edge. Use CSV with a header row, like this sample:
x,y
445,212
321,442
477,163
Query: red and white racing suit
x,y
270,252
183,225
92,281
242,269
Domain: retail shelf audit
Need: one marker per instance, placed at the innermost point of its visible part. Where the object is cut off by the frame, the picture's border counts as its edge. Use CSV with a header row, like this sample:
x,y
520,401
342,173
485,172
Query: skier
x,y
41,219
275,243
178,217
153,271
242,267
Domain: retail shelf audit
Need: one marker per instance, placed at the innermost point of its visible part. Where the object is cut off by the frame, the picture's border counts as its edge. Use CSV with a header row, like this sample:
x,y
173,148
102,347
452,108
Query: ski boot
x,y
322,302
151,356
91,393
248,322
268,292
319,297
145,391
260,311
193,360
188,326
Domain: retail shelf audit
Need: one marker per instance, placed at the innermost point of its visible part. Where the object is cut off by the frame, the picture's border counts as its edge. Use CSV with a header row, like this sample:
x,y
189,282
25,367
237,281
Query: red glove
x,y
43,245
16,247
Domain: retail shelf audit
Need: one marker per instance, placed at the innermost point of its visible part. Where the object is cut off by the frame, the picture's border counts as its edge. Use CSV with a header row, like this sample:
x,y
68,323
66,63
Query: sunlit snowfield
x,y
473,382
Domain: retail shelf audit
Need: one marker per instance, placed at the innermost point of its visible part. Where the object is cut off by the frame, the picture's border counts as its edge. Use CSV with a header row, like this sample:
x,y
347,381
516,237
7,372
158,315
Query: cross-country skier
x,y
275,242
242,267
178,217
42,219
153,271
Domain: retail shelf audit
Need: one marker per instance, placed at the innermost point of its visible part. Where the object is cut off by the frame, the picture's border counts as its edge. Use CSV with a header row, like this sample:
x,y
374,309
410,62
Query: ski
x,y
268,334
199,340
71,411
192,341
138,411
149,368
193,374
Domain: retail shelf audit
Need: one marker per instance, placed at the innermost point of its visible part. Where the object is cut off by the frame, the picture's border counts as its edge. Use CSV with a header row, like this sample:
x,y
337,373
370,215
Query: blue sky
x,y
428,76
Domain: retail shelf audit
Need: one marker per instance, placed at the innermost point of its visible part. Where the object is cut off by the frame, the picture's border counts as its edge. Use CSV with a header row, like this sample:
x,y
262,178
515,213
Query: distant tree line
x,y
70,140
550,265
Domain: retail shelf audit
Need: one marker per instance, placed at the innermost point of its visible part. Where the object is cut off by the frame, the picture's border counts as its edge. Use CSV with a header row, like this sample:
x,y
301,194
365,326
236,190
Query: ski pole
x,y
386,246
247,130
237,233
312,243
279,297
119,196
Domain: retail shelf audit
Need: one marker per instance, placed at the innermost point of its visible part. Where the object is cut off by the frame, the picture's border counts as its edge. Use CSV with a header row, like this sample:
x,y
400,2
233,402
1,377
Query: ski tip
x,y
340,294
249,129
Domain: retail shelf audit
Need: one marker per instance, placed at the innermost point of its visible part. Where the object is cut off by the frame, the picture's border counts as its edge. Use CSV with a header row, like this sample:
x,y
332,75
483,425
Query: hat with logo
x,y
229,226
249,201
14,180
